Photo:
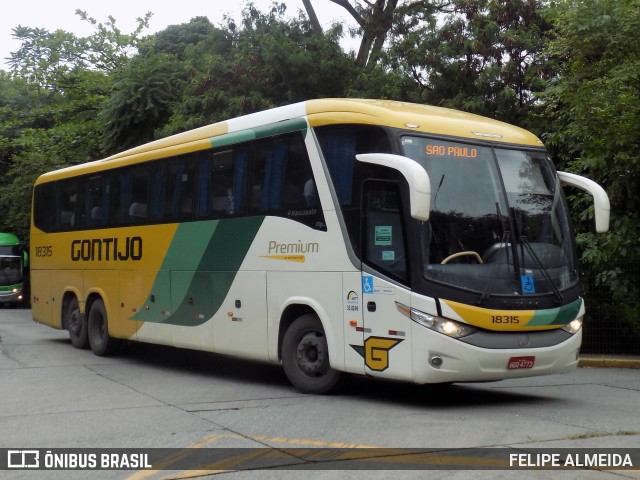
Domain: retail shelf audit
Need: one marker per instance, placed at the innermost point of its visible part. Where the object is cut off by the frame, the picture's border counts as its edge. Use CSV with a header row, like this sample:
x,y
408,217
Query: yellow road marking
x,y
379,454
185,452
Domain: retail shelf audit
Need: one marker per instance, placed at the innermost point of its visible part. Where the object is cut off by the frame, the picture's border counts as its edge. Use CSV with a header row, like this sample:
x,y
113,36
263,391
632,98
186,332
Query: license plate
x,y
516,363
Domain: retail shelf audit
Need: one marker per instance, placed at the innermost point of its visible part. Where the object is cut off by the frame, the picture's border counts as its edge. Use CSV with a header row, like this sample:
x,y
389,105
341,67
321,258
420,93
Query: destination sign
x,y
451,151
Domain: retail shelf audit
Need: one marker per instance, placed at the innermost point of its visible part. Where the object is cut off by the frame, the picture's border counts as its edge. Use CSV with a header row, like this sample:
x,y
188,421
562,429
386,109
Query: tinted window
x,y
67,200
264,177
383,229
221,183
340,145
132,195
282,182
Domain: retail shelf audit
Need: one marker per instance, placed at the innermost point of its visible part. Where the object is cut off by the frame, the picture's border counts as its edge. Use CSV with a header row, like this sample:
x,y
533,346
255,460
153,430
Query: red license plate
x,y
516,363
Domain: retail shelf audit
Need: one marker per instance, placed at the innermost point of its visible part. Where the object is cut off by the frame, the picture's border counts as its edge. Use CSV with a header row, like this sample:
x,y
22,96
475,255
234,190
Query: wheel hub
x,y
75,321
310,354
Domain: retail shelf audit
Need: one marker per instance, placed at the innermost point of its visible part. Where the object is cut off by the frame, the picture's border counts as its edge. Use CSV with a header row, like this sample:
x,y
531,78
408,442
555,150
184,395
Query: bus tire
x,y
305,356
76,324
98,331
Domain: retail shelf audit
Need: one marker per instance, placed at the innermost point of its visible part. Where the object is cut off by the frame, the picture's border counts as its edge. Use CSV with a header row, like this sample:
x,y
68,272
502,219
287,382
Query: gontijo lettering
x,y
107,249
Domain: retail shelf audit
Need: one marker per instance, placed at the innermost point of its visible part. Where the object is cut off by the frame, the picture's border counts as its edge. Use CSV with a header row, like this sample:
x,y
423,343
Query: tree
x,y
485,57
176,39
48,118
140,101
379,18
266,61
594,107
46,57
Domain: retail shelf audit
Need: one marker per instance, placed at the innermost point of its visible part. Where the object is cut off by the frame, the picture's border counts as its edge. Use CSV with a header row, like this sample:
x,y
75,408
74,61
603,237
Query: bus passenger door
x,y
386,348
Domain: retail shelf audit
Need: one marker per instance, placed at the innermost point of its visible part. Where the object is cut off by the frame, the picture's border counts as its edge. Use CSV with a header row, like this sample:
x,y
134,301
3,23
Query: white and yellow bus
x,y
370,237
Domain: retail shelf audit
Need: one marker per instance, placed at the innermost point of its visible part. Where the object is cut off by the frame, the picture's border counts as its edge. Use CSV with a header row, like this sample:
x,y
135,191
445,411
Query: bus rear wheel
x,y
76,323
305,356
98,331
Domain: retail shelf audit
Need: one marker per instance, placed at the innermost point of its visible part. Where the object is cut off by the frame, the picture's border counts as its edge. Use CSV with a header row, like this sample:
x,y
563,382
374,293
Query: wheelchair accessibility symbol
x,y
367,284
528,286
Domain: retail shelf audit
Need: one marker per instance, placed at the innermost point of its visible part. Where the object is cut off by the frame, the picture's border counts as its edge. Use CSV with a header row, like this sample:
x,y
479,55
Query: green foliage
x,y
594,107
176,38
484,57
268,61
380,20
139,101
49,104
15,194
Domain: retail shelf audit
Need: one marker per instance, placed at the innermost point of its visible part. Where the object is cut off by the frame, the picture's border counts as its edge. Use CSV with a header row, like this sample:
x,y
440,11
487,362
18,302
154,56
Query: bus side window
x,y
158,197
133,200
268,176
181,186
282,182
221,183
44,208
67,205
96,203
339,149
384,241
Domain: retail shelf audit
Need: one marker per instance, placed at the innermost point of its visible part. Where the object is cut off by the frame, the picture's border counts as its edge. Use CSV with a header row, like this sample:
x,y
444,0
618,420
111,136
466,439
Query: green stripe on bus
x,y
278,128
556,316
286,126
233,138
202,264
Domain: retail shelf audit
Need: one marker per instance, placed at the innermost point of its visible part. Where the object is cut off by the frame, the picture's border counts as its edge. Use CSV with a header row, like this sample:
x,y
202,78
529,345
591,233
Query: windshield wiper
x,y
514,249
522,239
486,292
504,240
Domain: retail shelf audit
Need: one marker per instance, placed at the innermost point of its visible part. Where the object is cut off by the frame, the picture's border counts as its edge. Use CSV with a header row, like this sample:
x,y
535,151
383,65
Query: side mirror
x,y
600,198
414,174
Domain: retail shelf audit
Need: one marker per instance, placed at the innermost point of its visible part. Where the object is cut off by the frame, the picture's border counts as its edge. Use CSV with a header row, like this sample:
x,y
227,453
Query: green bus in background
x,y
13,261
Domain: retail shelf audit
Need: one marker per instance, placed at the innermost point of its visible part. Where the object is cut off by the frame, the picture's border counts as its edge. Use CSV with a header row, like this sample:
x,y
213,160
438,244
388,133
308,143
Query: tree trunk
x,y
313,18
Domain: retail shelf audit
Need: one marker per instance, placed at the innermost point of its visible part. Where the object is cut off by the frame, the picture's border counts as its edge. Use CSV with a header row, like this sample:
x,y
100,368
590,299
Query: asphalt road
x,y
55,396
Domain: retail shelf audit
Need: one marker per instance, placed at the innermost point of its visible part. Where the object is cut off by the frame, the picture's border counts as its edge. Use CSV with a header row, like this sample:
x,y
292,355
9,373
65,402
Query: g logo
x,y
376,352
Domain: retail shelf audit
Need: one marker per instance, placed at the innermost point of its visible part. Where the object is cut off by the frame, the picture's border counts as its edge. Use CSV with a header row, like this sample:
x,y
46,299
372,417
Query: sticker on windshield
x,y
528,285
383,235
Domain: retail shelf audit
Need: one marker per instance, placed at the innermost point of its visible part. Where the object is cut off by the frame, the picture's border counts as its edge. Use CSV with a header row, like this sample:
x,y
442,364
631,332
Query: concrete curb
x,y
608,361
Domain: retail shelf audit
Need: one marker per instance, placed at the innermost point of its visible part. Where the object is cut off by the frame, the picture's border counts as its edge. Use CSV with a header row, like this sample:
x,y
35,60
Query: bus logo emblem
x,y
375,352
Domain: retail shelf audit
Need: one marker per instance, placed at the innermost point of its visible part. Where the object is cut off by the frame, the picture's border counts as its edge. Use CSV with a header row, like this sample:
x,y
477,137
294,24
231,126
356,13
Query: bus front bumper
x,y
440,359
15,295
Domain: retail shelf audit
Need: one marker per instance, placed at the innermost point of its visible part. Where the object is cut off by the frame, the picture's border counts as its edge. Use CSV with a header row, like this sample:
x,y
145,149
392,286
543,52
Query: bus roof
x,y
8,239
407,116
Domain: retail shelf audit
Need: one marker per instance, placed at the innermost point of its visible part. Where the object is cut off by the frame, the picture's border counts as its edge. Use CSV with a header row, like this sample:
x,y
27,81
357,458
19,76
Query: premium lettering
x,y
289,248
106,249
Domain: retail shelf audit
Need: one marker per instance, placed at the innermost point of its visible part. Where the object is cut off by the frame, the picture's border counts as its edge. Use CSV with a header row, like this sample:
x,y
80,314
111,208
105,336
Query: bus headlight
x,y
573,327
447,327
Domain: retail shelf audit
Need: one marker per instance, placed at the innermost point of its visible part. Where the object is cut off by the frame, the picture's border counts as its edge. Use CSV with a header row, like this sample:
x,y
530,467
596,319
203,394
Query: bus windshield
x,y
10,270
498,222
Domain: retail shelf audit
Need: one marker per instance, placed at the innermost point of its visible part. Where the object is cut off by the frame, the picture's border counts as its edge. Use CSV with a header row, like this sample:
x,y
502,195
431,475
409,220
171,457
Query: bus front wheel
x,y
305,356
98,331
76,324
